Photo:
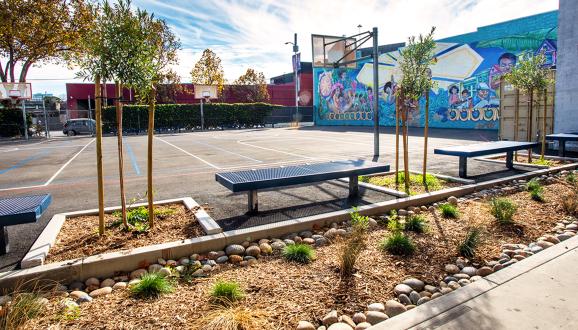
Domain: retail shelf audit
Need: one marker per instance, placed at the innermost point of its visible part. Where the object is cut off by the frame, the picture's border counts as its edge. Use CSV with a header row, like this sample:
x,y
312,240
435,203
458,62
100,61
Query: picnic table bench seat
x,y
483,149
562,138
20,210
265,178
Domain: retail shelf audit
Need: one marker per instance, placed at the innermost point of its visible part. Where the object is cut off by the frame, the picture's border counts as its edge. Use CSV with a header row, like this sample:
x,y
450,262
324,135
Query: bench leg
x,y
4,246
253,201
510,160
463,167
353,186
562,148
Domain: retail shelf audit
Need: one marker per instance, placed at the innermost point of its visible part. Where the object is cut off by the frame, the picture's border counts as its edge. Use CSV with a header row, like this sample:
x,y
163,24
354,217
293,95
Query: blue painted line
x,y
24,161
132,158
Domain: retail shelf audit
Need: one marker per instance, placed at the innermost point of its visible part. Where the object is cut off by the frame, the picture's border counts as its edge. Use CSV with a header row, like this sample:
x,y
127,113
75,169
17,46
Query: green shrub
x,y
503,210
449,210
151,285
23,307
226,292
536,190
394,224
351,248
172,116
571,178
359,222
467,248
432,182
416,223
542,161
138,217
301,253
398,244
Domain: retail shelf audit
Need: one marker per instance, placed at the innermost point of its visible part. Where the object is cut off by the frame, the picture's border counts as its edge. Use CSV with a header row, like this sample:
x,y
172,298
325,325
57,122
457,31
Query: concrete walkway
x,y
540,292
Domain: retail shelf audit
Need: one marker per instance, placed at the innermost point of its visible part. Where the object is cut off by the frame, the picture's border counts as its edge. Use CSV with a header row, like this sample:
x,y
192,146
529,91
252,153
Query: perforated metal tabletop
x,y
297,174
22,209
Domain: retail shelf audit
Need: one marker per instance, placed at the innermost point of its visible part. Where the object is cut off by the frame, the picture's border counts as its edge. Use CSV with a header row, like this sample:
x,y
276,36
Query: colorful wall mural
x,y
466,95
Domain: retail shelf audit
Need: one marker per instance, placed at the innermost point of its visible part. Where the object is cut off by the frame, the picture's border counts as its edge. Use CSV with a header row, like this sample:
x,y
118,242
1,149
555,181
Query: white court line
x,y
227,151
274,150
68,162
42,148
188,153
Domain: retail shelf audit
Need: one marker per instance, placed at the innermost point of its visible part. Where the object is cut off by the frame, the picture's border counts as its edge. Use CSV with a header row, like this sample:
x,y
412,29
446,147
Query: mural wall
x,y
466,95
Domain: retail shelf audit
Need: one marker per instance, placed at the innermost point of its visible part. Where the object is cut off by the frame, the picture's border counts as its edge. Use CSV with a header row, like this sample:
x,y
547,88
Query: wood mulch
x,y
415,188
288,292
523,159
79,235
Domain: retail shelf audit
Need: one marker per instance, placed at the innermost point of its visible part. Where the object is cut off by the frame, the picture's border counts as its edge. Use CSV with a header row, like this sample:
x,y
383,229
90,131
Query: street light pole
x,y
375,96
296,74
24,117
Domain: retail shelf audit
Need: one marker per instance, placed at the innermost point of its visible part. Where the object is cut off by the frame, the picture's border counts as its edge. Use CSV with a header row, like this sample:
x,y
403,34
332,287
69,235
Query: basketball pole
x,y
24,117
375,97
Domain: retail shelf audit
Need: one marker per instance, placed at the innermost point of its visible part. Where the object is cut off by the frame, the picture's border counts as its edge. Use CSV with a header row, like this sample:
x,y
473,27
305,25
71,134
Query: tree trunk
x,y
397,108
151,132
516,120
100,176
544,124
530,123
425,136
405,146
118,95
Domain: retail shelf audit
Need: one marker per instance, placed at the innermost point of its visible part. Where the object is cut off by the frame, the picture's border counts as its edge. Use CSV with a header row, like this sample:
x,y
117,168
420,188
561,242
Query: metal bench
x,y
256,179
483,149
562,138
19,210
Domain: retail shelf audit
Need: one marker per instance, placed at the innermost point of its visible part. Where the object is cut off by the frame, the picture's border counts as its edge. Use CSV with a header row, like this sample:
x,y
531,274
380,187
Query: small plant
x,y
352,247
398,244
138,217
237,318
70,310
543,161
570,203
503,210
571,178
536,190
23,307
449,210
416,223
224,292
151,285
301,253
467,248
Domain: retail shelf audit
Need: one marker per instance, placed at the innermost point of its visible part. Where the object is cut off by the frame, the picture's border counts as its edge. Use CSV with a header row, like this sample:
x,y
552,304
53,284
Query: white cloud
x,y
252,33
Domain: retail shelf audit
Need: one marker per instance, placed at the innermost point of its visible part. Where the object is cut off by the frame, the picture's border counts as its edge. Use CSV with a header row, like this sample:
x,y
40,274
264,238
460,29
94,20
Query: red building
x,y
80,96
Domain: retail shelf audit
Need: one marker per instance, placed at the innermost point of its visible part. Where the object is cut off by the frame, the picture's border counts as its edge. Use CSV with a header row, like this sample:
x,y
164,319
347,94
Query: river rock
x,y
119,286
235,249
376,307
414,283
453,200
452,269
402,289
363,326
359,317
234,258
544,244
278,245
100,292
137,273
340,326
414,297
330,318
374,317
470,271
304,325
404,299
423,300
265,248
154,268
253,251
347,320
93,281
108,282
393,308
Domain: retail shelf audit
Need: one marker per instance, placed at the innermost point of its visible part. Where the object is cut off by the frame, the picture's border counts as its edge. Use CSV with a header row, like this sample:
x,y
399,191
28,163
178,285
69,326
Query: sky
x,y
252,33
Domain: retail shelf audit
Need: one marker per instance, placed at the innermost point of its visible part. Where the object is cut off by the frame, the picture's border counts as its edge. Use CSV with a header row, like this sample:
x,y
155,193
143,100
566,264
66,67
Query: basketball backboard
x,y
15,91
205,91
327,50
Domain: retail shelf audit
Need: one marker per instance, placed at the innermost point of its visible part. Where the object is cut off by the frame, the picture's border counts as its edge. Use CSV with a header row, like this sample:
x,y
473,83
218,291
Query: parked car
x,y
79,126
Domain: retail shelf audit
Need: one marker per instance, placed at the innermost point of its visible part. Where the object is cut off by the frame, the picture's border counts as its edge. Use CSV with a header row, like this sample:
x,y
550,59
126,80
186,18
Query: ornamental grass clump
x,y
151,285
415,223
237,318
398,244
351,248
467,248
224,292
503,210
449,210
301,253
536,190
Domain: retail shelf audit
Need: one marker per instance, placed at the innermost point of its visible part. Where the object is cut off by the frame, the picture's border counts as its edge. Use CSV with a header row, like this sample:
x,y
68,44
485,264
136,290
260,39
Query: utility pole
x,y
24,117
46,128
296,69
375,96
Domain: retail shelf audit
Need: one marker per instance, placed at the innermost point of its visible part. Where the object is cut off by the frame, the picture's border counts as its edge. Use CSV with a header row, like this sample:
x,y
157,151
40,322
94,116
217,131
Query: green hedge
x,y
171,116
11,123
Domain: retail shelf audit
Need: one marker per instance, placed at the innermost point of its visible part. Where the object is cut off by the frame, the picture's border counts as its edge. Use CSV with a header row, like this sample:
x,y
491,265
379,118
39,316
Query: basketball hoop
x,y
14,95
207,96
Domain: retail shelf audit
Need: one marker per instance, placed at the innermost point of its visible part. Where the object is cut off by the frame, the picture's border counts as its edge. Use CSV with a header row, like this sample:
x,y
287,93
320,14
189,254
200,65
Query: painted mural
x,y
466,95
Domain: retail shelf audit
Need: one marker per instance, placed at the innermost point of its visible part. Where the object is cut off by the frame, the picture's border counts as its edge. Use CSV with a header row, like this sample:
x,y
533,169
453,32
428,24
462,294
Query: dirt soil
x,y
79,235
289,292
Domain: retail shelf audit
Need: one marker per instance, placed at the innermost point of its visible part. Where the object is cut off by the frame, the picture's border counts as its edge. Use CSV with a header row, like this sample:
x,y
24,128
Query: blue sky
x,y
252,33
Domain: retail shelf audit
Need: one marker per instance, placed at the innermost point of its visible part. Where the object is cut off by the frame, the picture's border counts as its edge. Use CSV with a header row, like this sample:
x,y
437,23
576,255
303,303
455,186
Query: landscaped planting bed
x,y
264,290
549,162
416,185
79,237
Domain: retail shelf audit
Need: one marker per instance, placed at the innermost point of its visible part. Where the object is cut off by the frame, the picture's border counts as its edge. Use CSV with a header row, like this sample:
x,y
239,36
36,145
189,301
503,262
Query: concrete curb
x,y
428,313
492,159
106,264
39,250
